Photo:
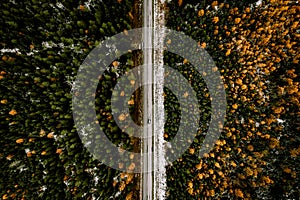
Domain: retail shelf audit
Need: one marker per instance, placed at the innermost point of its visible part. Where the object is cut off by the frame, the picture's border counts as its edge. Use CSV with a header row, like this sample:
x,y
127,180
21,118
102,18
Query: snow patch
x,y
258,3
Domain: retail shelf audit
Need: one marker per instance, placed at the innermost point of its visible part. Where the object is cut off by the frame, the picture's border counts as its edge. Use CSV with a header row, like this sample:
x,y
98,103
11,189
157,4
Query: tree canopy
x,y
255,48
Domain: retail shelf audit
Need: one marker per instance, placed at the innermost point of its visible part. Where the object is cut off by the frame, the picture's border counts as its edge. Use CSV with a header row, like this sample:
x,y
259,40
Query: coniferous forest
x,y
255,46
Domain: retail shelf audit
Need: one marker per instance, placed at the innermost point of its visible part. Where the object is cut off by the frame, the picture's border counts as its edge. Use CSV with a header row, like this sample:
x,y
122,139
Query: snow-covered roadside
x,y
159,118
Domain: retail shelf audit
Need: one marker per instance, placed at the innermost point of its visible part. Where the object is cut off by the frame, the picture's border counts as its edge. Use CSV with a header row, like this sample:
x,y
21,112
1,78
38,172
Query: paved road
x,y
153,183
147,162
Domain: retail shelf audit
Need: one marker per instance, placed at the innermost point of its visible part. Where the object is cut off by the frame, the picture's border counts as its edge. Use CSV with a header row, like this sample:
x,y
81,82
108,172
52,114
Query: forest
x,y
255,47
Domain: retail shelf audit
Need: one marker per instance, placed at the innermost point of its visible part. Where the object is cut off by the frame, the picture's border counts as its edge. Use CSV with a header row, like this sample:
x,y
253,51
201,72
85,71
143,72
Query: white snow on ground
x,y
280,121
160,185
16,50
259,2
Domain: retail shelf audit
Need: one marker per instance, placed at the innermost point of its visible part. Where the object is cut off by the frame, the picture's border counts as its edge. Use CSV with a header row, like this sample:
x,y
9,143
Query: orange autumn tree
x,y
255,48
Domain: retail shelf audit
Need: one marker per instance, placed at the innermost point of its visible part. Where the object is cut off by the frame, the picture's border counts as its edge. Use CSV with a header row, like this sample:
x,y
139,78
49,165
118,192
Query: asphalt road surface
x,y
147,162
